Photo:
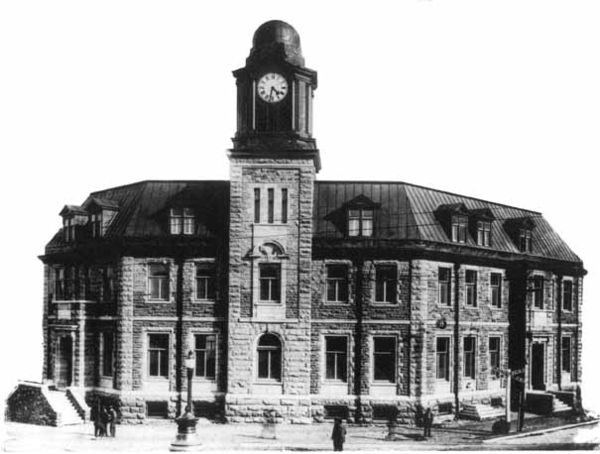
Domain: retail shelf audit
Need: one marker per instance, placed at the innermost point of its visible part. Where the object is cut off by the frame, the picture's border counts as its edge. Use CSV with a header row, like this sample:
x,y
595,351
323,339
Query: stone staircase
x,y
66,414
559,406
479,412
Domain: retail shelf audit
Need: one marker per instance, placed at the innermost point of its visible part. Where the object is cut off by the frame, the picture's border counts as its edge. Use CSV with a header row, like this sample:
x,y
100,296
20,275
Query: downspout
x,y
409,349
179,342
559,331
359,337
252,304
456,341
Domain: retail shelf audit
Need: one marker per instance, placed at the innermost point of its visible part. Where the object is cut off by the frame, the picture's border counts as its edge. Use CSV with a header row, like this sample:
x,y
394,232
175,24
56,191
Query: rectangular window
x,y
469,357
270,282
158,355
337,283
442,358
538,292
360,222
205,281
471,288
484,229
525,240
87,283
256,205
188,221
566,354
69,229
444,275
206,353
385,283
336,358
496,289
59,284
459,229
567,295
107,354
108,283
271,205
284,205
96,221
176,221
494,351
158,281
384,359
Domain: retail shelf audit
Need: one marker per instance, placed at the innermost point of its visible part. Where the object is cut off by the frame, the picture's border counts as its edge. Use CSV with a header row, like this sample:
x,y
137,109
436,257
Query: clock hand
x,y
271,93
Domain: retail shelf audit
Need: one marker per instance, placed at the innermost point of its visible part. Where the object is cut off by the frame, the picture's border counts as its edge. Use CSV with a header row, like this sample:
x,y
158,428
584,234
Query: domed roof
x,y
276,34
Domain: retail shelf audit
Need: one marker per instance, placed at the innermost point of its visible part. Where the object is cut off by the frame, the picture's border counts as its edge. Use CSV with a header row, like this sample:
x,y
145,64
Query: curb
x,y
540,431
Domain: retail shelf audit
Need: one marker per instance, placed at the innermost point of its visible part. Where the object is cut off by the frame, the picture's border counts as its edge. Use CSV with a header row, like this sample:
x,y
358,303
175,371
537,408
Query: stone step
x,y
479,411
65,411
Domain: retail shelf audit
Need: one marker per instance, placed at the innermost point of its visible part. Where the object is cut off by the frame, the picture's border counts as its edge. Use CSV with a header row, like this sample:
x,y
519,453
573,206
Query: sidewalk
x,y
156,436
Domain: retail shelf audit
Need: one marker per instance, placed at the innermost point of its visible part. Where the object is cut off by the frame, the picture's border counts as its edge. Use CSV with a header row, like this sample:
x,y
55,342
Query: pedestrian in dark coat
x,y
95,417
427,422
103,421
338,435
112,421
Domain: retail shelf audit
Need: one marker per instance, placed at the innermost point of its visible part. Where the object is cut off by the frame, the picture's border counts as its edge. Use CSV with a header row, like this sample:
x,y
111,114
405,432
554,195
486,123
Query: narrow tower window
x,y
284,205
271,204
257,205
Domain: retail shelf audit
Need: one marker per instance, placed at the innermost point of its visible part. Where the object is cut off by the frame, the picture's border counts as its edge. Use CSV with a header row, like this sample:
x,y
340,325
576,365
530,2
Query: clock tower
x,y
273,164
274,96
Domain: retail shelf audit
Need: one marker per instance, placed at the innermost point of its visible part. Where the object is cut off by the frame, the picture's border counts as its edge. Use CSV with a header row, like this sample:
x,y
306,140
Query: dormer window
x,y
181,221
360,222
459,228
484,230
525,240
69,229
521,232
96,223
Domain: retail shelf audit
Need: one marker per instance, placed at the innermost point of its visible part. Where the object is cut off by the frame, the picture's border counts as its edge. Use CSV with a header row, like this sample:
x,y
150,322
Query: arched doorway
x,y
64,363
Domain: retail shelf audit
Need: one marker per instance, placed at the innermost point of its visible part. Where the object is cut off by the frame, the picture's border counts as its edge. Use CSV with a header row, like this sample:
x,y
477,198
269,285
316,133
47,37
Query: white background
x,y
497,100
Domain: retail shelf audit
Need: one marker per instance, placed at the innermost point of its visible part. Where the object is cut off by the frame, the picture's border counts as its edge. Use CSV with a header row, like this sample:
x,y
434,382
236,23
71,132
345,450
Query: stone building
x,y
314,298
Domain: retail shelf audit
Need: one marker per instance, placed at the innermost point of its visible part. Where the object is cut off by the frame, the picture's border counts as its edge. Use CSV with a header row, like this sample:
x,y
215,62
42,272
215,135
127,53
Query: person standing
x,y
103,421
427,422
112,421
338,435
95,417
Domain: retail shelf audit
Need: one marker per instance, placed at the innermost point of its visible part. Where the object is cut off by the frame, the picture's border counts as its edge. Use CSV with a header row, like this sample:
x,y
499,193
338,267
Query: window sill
x,y
199,301
158,301
269,303
335,303
384,304
156,379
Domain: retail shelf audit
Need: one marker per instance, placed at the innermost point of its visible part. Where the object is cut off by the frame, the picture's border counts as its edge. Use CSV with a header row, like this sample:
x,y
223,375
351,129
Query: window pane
x,y
276,364
284,205
256,205
153,363
263,364
367,227
384,360
353,227
271,204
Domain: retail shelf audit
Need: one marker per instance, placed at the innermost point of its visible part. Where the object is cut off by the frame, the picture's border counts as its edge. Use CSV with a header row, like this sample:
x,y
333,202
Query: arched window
x,y
269,357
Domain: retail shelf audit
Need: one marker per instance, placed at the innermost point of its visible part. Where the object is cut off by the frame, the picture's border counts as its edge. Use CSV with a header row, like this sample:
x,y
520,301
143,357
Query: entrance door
x,y
537,366
64,372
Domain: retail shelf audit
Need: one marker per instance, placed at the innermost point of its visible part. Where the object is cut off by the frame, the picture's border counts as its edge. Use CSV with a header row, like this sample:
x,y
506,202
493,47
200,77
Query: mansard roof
x,y
408,212
402,211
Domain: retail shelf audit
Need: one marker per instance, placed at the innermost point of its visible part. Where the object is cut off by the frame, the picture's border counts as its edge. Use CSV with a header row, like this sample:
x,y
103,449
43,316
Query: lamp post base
x,y
186,434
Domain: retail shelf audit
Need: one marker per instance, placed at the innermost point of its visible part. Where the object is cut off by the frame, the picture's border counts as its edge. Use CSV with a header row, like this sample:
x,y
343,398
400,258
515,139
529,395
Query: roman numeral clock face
x,y
272,87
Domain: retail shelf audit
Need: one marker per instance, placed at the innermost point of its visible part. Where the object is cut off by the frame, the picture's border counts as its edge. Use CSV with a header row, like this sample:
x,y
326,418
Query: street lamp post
x,y
186,424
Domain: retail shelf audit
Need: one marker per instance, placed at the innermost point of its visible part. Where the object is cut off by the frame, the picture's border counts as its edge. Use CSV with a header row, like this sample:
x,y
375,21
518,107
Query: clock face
x,y
272,87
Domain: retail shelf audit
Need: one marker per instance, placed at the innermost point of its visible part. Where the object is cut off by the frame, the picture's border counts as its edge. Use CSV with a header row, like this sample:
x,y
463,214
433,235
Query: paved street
x,y
156,437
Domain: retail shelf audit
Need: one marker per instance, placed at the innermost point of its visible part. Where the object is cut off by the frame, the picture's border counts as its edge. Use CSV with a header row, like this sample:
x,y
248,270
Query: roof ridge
x,y
155,181
429,189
